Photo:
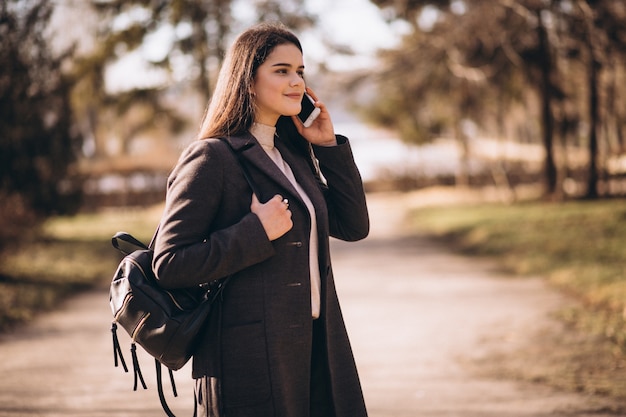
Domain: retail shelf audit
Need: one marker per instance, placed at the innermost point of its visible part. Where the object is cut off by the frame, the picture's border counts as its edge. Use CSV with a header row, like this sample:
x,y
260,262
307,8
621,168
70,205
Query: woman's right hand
x,y
275,215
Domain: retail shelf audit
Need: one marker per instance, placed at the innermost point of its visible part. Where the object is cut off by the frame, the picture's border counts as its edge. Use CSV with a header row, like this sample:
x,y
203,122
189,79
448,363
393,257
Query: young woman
x,y
282,347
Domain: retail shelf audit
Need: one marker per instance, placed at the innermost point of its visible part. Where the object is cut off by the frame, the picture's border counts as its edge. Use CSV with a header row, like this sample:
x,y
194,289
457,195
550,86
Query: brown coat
x,y
208,232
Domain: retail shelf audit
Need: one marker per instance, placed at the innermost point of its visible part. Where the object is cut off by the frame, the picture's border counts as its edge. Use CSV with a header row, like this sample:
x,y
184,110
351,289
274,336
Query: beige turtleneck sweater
x,y
265,136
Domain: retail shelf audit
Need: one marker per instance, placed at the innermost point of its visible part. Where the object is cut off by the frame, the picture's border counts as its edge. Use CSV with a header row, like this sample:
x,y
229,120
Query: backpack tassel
x,y
136,368
117,350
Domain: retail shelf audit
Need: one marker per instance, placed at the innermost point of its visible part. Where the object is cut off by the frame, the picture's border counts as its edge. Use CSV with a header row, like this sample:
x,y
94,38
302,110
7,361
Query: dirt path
x,y
418,317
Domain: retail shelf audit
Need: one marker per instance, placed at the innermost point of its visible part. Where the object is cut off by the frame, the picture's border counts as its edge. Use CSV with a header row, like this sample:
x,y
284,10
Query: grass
x,y
68,255
580,248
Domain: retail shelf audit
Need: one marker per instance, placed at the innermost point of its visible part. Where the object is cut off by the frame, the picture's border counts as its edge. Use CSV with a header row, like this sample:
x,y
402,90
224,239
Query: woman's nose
x,y
297,80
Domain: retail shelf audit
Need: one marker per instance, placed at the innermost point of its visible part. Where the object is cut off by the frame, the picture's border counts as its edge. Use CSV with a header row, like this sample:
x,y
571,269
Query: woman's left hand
x,y
321,132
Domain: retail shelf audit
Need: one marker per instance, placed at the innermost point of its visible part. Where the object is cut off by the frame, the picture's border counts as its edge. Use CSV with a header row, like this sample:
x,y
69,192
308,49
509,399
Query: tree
x,y
446,79
197,33
545,62
37,138
550,43
599,28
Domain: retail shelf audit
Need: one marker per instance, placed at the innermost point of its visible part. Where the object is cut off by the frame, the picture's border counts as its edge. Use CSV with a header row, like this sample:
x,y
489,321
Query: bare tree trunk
x,y
592,180
547,118
203,53
593,77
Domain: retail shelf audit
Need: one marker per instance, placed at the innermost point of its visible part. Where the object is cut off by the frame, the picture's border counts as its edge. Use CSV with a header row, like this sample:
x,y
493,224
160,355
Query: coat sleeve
x,y
192,247
345,197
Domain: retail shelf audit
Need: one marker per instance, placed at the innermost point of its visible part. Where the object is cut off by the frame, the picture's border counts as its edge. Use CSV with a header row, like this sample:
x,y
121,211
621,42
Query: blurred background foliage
x,y
38,142
64,123
546,71
99,95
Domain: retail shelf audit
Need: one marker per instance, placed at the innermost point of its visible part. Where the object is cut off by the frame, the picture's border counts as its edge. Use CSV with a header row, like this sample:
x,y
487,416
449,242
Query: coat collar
x,y
253,153
249,148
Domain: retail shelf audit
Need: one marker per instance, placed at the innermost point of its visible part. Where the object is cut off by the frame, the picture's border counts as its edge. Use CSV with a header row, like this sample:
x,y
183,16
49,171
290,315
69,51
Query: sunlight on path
x,y
417,315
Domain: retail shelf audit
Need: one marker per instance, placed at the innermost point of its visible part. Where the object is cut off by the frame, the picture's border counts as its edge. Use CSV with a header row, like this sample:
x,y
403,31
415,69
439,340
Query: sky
x,y
356,23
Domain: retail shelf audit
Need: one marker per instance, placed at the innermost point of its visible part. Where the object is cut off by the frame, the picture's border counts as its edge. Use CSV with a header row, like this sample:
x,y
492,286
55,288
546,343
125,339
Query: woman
x,y
283,348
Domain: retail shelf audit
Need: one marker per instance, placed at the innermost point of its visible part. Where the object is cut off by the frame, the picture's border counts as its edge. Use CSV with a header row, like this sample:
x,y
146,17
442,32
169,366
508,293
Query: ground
x,y
434,334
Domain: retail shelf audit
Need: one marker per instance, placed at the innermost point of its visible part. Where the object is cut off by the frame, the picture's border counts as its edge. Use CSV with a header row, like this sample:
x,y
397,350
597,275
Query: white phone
x,y
309,112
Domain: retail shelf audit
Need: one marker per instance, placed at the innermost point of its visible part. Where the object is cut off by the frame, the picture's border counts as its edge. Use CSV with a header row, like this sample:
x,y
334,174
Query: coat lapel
x,y
250,150
303,174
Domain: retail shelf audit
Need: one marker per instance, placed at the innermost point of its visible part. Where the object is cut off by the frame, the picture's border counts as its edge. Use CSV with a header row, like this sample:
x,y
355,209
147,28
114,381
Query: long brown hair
x,y
231,109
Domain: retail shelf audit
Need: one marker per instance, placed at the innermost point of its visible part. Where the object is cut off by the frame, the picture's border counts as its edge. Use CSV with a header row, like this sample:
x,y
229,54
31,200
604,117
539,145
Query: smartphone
x,y
309,112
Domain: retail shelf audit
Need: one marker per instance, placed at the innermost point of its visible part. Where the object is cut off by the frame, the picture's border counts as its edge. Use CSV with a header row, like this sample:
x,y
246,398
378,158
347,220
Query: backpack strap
x,y
159,376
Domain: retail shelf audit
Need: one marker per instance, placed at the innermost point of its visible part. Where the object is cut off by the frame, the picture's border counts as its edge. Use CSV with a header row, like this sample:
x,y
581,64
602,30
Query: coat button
x,y
297,244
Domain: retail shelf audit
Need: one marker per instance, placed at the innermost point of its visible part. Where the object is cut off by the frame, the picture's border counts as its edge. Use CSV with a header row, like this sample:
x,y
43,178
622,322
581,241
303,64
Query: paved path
x,y
416,313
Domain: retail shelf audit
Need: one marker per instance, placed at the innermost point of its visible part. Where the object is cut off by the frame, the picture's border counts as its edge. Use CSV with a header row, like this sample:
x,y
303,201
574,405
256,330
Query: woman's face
x,y
279,84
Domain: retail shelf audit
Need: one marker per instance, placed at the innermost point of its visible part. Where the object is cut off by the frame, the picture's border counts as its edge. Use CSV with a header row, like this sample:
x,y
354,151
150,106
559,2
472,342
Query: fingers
x,y
274,215
318,103
315,98
256,203
283,201
312,94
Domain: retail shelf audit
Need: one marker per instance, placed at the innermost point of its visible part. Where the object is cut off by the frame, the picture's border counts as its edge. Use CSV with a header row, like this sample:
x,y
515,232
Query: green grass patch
x,y
579,246
68,255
